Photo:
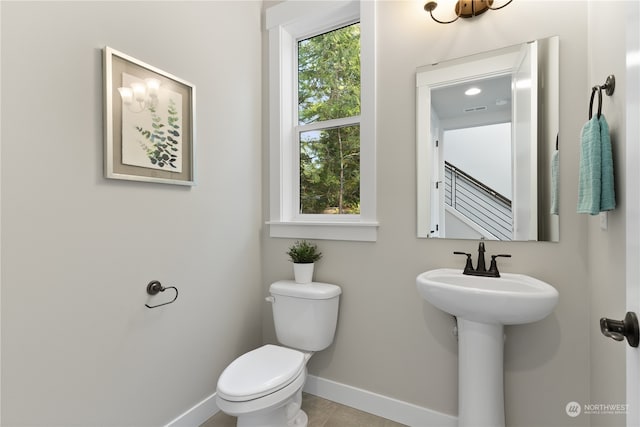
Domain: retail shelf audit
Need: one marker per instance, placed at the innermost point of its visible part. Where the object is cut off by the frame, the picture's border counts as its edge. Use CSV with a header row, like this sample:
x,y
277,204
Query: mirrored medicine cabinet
x,y
484,157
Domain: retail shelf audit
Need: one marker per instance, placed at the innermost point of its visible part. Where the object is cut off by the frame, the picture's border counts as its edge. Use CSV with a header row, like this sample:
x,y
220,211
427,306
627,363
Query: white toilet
x,y
264,387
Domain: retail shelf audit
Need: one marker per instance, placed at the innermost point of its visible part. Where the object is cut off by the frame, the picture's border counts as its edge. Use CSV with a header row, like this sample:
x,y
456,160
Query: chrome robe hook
x,y
154,287
609,87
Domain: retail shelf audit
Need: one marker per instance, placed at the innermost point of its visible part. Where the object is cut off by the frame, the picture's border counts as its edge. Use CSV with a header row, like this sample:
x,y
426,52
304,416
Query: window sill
x,y
352,231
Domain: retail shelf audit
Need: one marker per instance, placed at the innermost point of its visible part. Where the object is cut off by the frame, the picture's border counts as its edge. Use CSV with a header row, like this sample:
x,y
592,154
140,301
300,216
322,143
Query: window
x,y
322,136
328,131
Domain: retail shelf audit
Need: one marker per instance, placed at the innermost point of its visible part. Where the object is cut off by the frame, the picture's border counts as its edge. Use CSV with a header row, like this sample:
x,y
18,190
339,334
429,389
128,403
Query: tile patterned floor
x,y
322,413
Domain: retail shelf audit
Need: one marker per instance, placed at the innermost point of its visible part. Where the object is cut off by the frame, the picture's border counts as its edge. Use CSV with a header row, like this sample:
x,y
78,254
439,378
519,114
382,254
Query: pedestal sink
x,y
483,305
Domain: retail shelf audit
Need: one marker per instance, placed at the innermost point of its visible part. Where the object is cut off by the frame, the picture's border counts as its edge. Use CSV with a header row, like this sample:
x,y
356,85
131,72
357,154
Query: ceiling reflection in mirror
x,y
486,136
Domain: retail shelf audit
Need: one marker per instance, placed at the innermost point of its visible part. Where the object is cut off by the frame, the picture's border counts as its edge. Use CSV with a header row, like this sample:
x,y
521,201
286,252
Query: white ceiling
x,y
450,102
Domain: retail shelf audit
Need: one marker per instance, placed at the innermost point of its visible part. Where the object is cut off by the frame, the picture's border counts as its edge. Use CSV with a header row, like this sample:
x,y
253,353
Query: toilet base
x,y
300,420
290,414
279,409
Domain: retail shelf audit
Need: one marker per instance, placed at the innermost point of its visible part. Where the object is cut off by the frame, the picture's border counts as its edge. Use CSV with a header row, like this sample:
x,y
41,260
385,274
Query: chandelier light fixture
x,y
464,9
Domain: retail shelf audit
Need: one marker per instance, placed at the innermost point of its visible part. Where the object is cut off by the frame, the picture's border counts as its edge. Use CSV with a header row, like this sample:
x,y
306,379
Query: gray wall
x,y
78,345
391,342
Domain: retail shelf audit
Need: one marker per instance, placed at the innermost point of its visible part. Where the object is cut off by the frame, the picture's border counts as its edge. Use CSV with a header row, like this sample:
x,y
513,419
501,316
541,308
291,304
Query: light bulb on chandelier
x,y
141,96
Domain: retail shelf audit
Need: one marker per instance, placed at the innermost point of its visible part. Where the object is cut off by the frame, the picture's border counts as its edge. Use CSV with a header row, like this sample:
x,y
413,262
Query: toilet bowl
x,y
264,386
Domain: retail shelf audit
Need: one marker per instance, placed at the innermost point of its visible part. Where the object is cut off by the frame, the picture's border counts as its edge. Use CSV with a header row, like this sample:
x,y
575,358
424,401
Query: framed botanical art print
x,y
148,122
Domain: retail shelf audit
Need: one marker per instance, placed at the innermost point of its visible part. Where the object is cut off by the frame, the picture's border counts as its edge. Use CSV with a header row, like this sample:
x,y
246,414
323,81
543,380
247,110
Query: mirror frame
x,y
484,65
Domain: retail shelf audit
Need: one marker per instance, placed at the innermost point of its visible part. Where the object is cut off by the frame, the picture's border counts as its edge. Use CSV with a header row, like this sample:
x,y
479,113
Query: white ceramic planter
x,y
303,273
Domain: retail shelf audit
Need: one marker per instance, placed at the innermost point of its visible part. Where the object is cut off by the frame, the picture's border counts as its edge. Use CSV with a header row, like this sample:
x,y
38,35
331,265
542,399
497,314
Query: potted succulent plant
x,y
303,255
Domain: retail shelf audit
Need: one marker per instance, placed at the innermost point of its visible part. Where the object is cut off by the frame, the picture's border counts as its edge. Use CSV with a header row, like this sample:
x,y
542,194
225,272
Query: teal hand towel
x,y
554,182
607,193
589,182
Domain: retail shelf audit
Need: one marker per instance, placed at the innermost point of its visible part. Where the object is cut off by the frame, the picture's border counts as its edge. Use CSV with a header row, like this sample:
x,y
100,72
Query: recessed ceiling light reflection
x,y
472,91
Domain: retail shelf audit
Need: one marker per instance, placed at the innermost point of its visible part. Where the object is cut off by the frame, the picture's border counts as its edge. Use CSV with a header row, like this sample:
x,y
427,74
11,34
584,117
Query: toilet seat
x,y
260,372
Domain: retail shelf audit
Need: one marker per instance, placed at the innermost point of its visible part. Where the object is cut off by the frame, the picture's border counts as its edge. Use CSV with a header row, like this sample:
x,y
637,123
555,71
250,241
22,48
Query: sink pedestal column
x,y
480,374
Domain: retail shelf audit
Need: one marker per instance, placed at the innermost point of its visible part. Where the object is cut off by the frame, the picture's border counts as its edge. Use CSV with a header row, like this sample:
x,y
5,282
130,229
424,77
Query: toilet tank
x,y
305,315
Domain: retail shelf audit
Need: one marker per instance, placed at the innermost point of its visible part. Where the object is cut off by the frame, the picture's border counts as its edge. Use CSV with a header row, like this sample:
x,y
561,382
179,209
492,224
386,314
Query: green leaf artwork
x,y
160,148
151,131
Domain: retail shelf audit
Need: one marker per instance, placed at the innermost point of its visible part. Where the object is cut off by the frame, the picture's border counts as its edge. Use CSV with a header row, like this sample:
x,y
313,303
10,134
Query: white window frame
x,y
287,23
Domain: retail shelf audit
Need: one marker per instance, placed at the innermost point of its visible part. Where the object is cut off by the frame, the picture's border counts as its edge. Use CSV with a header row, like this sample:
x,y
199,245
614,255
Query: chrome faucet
x,y
481,269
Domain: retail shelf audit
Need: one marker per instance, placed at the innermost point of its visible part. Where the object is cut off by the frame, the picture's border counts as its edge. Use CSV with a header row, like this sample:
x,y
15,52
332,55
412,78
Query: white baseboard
x,y
373,403
377,404
197,415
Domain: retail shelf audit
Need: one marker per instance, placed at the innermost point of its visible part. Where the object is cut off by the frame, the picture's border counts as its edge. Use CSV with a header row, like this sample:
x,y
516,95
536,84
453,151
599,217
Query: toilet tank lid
x,y
313,290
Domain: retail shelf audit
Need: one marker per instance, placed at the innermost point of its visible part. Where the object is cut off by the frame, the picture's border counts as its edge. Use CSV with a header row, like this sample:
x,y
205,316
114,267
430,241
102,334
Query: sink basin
x,y
509,300
482,306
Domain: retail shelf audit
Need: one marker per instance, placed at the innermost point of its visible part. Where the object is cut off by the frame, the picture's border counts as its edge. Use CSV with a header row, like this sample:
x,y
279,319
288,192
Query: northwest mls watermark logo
x,y
574,409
